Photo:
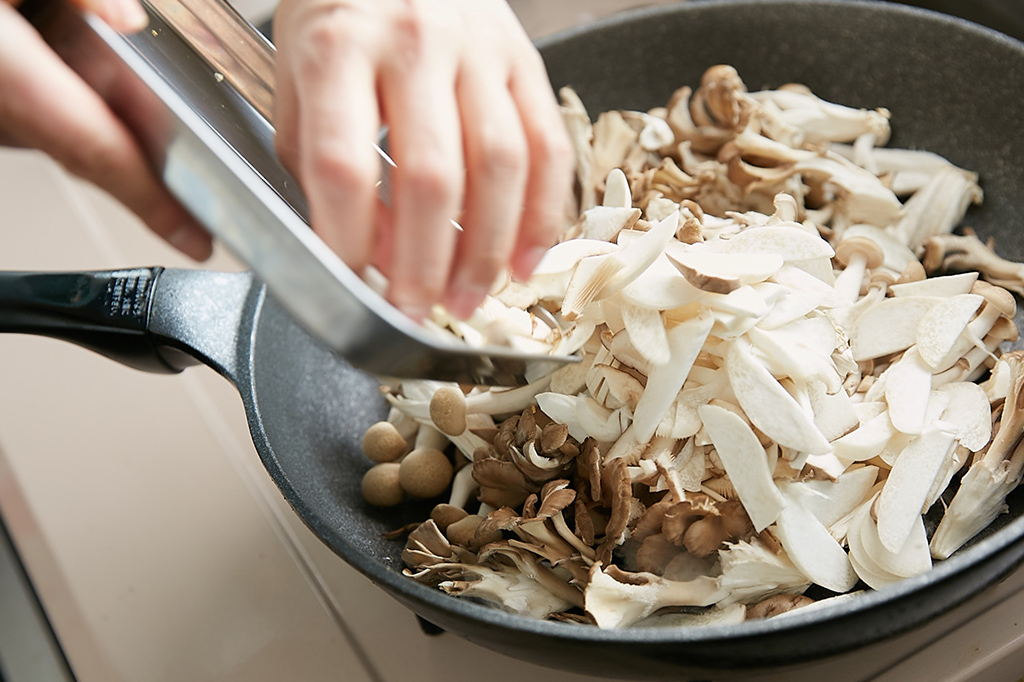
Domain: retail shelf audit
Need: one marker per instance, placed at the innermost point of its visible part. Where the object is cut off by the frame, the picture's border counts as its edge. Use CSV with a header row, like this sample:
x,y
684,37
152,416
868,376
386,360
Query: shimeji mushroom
x,y
771,392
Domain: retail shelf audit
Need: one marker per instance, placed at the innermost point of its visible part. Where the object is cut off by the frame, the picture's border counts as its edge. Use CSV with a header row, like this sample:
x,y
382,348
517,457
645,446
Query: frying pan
x,y
953,88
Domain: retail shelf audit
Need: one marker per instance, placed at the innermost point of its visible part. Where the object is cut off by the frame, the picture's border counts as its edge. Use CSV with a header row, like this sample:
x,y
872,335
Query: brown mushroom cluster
x,y
787,358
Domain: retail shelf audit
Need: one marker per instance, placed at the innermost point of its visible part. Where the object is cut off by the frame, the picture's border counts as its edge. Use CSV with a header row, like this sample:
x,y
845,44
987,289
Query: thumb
x,y
126,16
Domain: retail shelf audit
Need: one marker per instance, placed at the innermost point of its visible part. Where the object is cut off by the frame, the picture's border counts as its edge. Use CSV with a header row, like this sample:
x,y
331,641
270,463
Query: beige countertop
x,y
162,550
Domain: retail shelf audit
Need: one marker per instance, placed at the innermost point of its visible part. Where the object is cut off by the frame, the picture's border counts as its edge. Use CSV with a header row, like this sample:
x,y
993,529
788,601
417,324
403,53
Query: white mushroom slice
x,y
665,381
833,412
865,442
790,241
943,324
746,464
827,464
968,414
861,560
888,326
564,256
646,330
944,286
551,276
600,423
830,501
801,349
906,489
660,287
598,276
616,190
681,419
912,558
792,305
744,302
721,273
516,294
908,388
627,447
605,222
954,464
813,550
768,405
624,351
613,387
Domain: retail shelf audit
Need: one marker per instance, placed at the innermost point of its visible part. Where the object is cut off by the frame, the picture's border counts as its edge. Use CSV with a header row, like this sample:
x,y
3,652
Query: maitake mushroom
x,y
773,387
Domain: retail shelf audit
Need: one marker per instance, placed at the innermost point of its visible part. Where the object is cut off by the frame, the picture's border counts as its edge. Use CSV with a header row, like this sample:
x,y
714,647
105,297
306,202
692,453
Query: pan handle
x,y
152,319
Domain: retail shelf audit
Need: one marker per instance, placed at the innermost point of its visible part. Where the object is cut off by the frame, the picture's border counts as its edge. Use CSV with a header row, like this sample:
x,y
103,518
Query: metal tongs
x,y
197,87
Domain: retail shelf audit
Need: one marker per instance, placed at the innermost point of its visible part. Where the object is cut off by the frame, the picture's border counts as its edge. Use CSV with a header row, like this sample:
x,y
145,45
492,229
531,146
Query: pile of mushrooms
x,y
782,343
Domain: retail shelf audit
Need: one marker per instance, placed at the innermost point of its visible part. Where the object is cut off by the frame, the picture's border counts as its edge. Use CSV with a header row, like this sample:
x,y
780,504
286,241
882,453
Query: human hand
x,y
473,127
45,105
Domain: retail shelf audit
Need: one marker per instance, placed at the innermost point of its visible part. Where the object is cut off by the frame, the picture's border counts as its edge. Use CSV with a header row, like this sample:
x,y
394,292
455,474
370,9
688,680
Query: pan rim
x,y
1007,541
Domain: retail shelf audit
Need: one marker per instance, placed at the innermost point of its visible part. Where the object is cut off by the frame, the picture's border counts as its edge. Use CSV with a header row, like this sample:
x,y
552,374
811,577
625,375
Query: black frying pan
x,y
953,88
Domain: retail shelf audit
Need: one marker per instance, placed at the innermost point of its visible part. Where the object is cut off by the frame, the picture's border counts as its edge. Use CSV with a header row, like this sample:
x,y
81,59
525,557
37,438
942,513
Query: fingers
x,y
551,168
126,16
496,167
337,119
425,141
47,106
472,123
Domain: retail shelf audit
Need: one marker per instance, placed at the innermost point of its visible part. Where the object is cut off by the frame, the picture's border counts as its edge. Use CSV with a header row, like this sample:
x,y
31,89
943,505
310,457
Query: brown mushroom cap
x,y
1000,298
445,515
857,244
448,410
425,472
380,485
383,443
466,533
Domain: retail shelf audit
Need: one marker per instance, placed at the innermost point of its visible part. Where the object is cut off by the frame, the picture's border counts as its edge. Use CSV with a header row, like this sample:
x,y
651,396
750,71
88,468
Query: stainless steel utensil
x,y
200,83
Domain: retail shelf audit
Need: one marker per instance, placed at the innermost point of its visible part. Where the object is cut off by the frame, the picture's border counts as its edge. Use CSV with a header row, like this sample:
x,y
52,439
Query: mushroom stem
x,y
849,281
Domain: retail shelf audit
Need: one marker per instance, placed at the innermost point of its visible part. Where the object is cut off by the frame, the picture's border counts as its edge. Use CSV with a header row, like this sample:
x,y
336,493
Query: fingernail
x,y
128,16
135,16
527,261
463,301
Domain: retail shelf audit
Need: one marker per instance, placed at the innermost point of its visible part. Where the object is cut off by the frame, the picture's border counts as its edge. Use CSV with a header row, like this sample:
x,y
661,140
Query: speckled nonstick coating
x,y
953,88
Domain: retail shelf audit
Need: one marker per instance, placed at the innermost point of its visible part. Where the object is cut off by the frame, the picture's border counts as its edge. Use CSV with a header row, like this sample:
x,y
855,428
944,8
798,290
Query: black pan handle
x,y
152,319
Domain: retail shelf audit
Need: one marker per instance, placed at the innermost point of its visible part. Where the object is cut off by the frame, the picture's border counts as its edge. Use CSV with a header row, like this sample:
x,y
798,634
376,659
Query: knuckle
x,y
500,158
329,167
430,181
552,148
324,37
